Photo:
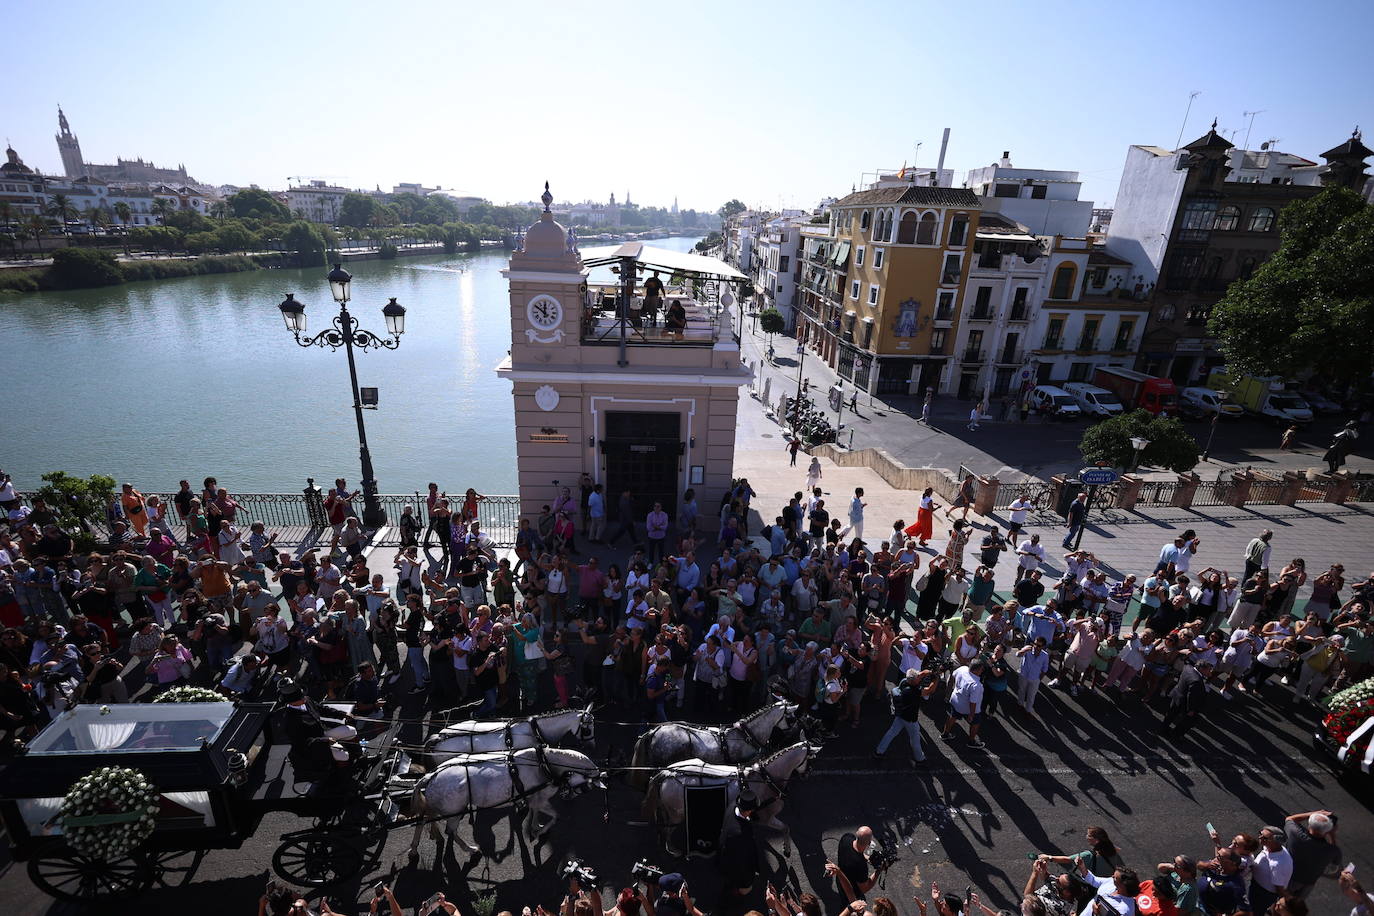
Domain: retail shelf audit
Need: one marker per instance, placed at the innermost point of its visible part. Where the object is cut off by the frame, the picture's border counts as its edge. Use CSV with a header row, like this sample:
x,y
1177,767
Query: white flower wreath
x,y
190,695
108,812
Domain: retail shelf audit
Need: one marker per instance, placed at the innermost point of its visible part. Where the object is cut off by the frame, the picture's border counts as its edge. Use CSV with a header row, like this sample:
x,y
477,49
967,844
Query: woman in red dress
x,y
925,518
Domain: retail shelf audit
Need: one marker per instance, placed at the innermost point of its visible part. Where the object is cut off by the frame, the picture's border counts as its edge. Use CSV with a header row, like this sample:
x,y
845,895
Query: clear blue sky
x,y
774,103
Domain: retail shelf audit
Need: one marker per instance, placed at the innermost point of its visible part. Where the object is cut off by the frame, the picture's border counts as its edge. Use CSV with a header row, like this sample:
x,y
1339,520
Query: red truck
x,y
1136,389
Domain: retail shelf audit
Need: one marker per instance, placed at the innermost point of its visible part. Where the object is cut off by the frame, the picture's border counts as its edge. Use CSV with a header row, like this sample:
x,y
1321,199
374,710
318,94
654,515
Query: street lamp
x,y
1139,443
346,333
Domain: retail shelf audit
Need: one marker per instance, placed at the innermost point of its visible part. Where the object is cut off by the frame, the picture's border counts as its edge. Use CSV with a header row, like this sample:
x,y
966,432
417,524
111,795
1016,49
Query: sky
x,y
777,104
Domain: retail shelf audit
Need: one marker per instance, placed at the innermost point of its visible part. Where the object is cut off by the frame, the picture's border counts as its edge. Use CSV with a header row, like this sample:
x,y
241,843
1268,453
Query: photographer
x,y
673,899
850,868
906,710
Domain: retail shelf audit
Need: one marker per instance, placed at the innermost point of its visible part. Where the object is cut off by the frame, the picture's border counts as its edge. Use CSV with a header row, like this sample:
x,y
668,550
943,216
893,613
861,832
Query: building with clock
x,y
602,388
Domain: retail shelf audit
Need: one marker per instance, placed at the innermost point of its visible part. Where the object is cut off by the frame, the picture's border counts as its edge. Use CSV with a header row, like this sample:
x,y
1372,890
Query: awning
x,y
1004,236
661,258
841,254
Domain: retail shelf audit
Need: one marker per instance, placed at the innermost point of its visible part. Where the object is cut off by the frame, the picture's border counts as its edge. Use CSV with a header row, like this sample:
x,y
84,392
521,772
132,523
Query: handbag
x,y
534,650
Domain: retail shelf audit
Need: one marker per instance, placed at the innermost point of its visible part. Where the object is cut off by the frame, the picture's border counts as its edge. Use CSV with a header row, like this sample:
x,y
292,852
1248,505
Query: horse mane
x,y
756,713
554,712
764,761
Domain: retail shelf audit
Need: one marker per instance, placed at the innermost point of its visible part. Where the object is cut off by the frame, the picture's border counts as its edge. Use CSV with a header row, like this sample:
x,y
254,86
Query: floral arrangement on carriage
x,y
109,812
1349,724
190,695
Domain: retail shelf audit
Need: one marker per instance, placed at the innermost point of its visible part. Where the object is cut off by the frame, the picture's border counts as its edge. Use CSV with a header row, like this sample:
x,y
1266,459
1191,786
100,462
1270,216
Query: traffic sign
x,y
1098,477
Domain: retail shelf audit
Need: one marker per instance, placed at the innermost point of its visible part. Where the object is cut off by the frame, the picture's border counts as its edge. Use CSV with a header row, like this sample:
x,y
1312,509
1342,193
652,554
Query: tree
x,y
387,252
1109,442
357,210
80,268
257,204
97,218
1311,305
730,208
76,501
61,209
303,238
36,226
712,240
219,210
234,237
772,322
163,208
121,210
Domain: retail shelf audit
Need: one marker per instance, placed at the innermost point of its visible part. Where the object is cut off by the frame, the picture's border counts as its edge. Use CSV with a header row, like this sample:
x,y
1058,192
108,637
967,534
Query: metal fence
x,y
1040,495
498,515
1214,493
1265,491
1157,493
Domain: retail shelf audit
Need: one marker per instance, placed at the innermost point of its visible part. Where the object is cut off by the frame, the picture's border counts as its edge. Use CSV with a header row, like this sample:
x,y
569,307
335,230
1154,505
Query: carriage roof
x,y
179,746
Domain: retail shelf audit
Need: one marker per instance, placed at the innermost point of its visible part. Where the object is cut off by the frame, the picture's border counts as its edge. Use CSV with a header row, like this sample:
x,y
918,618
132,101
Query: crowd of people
x,y
697,619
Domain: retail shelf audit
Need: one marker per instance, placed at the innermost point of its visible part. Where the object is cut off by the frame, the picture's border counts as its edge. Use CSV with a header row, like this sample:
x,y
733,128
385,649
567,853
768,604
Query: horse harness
x,y
520,792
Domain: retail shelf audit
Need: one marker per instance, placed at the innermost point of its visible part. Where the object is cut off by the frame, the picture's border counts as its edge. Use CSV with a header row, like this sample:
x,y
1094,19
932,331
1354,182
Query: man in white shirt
x,y
459,647
1117,893
913,653
1035,661
804,595
966,701
1271,870
1029,556
856,513
1018,509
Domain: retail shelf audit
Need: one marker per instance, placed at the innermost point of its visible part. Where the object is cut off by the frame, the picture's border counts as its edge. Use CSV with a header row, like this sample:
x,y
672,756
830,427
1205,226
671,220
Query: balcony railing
x,y
949,278
980,314
1019,313
990,260
973,355
1012,356
602,321
1051,343
1086,344
944,314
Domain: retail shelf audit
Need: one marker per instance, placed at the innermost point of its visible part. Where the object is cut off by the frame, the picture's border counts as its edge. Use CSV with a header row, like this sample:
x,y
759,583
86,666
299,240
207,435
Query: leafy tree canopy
x,y
258,204
1311,305
730,208
1109,442
77,268
771,320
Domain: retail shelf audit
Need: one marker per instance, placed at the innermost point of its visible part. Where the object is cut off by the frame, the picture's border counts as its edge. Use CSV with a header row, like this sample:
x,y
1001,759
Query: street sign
x,y
1098,477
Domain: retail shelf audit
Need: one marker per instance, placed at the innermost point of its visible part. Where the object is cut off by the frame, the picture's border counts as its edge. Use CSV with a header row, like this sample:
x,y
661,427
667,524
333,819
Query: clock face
x,y
544,312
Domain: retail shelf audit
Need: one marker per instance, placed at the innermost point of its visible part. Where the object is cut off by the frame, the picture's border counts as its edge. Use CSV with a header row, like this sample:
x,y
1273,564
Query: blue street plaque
x,y
1099,477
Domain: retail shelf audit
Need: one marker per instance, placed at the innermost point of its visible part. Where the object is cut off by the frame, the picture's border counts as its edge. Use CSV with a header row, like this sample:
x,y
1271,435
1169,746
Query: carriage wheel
x,y
79,878
174,868
317,858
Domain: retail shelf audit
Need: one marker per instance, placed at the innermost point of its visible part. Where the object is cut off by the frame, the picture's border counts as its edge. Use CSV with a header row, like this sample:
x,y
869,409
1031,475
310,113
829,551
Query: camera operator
x,y
850,868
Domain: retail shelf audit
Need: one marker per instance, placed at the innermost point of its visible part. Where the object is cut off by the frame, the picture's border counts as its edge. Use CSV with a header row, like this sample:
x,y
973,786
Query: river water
x,y
156,381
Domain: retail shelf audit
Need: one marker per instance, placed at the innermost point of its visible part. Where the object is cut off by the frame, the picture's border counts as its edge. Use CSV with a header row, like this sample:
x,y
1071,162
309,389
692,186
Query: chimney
x,y
1006,159
940,166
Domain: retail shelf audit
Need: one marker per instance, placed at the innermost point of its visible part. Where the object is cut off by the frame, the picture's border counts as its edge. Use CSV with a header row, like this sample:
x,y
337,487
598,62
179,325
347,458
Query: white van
x,y
1094,401
1054,402
1205,402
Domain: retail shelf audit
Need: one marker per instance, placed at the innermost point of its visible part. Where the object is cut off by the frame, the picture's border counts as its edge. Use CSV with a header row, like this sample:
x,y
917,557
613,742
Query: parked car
x,y
1094,401
1204,402
1055,402
1321,404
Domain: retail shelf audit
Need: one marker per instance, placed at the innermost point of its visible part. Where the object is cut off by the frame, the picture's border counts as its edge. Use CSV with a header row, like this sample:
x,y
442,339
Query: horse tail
x,y
639,762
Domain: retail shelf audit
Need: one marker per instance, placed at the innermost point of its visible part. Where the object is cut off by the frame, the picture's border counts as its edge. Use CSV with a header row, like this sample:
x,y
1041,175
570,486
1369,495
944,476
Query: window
x,y
859,257
1247,267
1064,277
1054,330
950,274
877,259
944,308
873,294
1124,330
864,219
925,233
883,232
958,230
1228,218
782,264
975,345
982,302
1078,372
1262,220
1007,190
1198,217
854,290
868,335
1088,339
1038,191
937,340
906,229
1019,311
1098,278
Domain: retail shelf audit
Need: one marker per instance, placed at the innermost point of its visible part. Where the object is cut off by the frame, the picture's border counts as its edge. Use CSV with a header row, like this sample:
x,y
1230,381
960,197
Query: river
x,y
160,380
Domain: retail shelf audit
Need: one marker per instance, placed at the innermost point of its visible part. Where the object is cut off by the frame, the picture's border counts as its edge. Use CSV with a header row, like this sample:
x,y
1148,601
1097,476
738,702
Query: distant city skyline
x,y
779,106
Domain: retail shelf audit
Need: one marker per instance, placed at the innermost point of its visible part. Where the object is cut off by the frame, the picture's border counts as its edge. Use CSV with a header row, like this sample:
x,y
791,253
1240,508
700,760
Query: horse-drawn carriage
x,y
214,770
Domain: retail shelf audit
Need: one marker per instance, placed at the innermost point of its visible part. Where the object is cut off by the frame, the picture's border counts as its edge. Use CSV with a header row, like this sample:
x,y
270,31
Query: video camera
x,y
574,868
646,871
882,859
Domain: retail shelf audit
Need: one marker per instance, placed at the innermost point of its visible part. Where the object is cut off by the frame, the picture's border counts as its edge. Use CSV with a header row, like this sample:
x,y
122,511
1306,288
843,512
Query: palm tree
x,y
219,210
62,210
162,207
37,225
122,211
6,213
97,218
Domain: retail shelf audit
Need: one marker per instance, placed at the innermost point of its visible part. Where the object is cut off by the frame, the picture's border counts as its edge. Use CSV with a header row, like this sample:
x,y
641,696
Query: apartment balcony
x,y
990,260
1052,344
972,355
944,314
1086,345
980,314
948,278
1011,356
1019,313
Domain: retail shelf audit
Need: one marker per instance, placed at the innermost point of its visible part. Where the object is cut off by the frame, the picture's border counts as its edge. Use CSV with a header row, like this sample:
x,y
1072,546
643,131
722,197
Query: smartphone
x,y
1349,869
1032,856
430,904
1210,829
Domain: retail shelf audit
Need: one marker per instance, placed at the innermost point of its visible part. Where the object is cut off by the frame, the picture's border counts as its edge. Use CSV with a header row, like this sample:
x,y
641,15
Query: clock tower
x,y
629,402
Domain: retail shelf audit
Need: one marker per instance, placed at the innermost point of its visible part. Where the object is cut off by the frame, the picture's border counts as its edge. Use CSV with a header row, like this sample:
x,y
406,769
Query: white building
x,y
1044,201
318,202
776,265
464,202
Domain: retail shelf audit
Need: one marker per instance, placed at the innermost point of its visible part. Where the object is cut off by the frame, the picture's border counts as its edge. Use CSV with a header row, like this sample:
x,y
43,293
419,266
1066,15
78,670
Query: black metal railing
x,y
1265,491
1038,494
1019,313
973,355
1214,493
1157,493
297,515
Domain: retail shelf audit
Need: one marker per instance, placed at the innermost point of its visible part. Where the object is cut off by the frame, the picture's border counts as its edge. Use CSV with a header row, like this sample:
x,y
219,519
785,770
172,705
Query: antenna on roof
x,y
1184,126
1251,116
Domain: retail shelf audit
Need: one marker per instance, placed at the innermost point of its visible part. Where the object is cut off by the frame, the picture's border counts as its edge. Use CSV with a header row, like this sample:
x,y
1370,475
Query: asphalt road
x,y
970,819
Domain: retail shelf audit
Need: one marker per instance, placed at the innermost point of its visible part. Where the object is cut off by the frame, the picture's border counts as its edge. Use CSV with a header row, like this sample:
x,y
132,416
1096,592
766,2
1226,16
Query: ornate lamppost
x,y
347,334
